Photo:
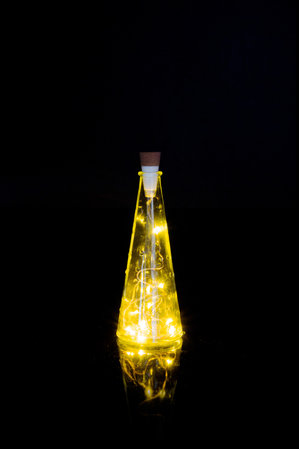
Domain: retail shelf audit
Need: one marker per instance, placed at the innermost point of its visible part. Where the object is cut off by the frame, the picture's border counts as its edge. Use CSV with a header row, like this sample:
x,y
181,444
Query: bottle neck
x,y
150,168
150,182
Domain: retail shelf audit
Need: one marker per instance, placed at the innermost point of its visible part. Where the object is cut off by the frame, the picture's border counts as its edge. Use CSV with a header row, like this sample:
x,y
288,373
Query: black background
x,y
234,274
235,280
211,85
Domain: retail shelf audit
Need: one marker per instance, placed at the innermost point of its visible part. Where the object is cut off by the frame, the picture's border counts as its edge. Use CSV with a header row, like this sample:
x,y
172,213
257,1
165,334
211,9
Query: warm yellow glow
x,y
172,331
149,312
151,370
157,229
130,331
148,392
143,325
141,338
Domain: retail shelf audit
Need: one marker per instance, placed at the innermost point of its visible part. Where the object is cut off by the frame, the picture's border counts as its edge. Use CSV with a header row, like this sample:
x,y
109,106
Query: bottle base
x,y
159,344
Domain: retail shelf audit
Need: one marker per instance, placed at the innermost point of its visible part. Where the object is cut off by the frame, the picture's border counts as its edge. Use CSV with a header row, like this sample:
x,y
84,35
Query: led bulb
x,y
149,313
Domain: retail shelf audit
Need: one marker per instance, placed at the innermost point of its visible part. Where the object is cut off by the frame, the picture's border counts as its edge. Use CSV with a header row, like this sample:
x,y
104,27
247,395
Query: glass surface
x,y
150,378
149,313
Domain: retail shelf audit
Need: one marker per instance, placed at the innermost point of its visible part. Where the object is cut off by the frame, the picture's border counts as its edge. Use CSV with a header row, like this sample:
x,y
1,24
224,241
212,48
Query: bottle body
x,y
149,313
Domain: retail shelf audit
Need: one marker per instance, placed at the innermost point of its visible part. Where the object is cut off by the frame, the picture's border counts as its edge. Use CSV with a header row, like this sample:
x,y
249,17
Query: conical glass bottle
x,y
149,313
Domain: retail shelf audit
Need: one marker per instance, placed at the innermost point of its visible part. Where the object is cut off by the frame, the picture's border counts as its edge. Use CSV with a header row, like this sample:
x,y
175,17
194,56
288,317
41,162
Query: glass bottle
x,y
149,313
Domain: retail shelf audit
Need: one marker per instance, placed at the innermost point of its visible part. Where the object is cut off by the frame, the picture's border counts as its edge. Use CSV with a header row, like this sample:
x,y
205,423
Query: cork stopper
x,y
150,159
150,162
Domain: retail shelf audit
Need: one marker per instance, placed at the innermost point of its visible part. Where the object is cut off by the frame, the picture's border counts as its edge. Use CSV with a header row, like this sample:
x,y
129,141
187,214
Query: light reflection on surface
x,y
150,378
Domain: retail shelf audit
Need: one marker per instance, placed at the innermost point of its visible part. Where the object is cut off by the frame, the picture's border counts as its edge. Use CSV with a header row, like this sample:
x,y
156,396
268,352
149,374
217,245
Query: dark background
x,y
211,85
235,277
64,275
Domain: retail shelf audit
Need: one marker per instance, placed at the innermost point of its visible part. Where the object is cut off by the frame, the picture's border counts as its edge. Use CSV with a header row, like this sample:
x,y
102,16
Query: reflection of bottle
x,y
150,377
149,313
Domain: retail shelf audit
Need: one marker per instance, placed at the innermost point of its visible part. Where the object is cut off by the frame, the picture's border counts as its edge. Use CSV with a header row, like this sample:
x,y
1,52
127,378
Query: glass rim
x,y
159,173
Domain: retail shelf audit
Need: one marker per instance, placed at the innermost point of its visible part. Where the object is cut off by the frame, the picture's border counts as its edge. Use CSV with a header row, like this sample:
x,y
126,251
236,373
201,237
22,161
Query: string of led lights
x,y
149,311
150,370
